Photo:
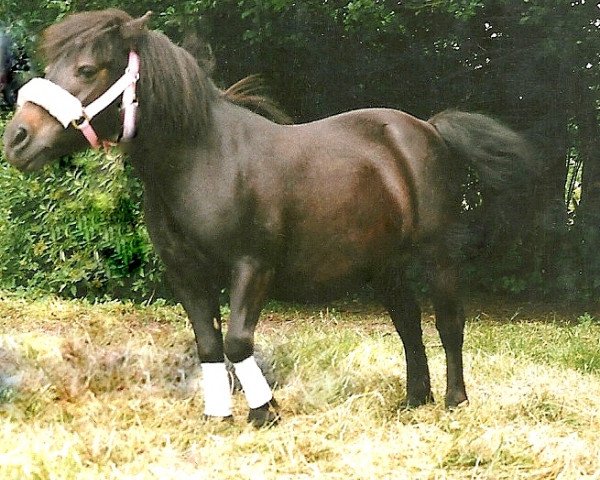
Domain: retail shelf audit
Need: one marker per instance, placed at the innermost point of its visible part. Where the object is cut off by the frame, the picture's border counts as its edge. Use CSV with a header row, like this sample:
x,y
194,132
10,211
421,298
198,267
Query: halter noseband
x,y
68,109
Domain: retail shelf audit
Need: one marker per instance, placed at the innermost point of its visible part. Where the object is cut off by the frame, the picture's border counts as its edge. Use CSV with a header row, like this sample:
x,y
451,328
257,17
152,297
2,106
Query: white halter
x,y
68,109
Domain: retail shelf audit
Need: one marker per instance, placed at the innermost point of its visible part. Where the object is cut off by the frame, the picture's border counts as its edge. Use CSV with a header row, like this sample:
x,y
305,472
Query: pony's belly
x,y
321,279
335,267
297,289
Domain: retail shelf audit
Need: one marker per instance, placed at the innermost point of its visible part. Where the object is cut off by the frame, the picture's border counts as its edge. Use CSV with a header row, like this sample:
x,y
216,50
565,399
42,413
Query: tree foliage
x,y
533,63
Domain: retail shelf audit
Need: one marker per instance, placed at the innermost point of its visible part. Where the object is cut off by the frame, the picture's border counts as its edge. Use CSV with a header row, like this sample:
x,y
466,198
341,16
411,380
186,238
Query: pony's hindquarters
x,y
503,163
502,159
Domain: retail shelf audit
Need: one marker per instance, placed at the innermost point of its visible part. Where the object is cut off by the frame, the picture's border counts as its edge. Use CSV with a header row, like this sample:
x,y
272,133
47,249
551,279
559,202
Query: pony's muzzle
x,y
27,135
20,132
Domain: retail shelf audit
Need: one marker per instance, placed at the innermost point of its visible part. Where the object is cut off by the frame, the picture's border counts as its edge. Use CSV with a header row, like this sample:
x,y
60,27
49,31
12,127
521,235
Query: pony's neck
x,y
232,132
184,118
175,94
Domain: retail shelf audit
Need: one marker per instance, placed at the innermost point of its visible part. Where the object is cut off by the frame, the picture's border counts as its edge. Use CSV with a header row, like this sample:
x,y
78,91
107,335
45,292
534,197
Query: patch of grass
x,y
112,391
572,344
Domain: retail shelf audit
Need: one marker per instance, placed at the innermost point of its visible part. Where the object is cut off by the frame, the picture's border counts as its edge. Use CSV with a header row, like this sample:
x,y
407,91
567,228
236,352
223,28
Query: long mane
x,y
175,91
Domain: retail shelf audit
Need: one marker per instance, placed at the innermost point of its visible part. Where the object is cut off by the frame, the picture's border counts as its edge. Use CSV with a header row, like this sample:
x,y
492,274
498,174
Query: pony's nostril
x,y
21,136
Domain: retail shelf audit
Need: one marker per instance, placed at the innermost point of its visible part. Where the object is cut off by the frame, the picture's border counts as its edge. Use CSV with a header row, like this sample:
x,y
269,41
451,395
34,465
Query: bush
x,y
76,229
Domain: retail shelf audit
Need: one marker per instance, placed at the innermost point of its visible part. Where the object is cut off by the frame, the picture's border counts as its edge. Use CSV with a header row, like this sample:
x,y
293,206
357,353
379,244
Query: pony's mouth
x,y
29,163
35,163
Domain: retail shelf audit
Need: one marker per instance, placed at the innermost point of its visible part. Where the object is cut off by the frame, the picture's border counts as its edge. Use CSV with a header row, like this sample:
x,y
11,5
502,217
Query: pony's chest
x,y
203,214
191,211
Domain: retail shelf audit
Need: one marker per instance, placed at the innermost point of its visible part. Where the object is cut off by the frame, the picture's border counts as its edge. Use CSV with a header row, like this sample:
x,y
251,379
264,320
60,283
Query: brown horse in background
x,y
302,212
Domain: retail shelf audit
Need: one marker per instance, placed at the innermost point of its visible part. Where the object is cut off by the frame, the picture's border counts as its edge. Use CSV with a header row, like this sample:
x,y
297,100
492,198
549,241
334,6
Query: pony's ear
x,y
208,60
201,50
134,29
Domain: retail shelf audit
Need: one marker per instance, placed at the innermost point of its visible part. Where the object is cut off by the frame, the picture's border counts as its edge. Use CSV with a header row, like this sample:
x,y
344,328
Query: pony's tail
x,y
502,160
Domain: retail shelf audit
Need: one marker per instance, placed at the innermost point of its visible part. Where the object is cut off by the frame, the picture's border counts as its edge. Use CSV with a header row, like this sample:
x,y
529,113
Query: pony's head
x,y
85,55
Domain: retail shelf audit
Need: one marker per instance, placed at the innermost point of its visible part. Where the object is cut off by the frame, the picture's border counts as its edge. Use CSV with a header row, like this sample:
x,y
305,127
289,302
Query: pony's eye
x,y
87,71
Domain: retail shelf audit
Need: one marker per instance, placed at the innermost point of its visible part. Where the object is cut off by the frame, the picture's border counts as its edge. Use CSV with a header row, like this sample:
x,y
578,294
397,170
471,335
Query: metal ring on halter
x,y
135,75
81,121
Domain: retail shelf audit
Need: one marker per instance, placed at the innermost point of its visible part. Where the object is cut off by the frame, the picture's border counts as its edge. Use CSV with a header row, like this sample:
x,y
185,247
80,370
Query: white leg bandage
x,y
253,382
216,389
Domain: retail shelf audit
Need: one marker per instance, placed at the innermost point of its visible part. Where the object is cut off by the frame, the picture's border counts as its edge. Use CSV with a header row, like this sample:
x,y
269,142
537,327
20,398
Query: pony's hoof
x,y
457,401
417,401
265,416
213,419
463,404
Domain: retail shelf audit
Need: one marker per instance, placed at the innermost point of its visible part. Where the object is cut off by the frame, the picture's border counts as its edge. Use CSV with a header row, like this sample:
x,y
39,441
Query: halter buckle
x,y
81,122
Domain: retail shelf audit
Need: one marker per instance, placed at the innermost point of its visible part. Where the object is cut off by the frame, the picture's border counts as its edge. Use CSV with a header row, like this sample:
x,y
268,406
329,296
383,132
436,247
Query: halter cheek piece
x,y
68,109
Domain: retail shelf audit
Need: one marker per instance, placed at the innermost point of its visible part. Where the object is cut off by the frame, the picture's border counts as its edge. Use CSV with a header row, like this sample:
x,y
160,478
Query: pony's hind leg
x,y
249,288
405,312
450,323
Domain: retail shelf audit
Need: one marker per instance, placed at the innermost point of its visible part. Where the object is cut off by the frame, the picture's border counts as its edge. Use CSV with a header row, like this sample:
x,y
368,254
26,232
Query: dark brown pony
x,y
303,212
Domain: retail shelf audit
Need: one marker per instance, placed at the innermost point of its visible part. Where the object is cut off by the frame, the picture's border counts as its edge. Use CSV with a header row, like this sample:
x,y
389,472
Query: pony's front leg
x,y
250,284
202,306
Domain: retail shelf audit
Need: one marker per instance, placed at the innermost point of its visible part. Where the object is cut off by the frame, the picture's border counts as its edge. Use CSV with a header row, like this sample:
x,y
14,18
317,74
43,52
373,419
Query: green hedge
x,y
76,229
